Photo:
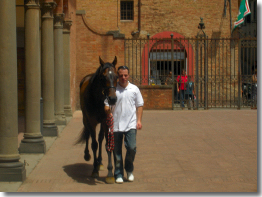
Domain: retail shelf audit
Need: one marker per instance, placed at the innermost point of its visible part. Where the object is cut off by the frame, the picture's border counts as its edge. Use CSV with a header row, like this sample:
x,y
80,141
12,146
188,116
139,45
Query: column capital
x,y
33,4
47,9
67,26
58,20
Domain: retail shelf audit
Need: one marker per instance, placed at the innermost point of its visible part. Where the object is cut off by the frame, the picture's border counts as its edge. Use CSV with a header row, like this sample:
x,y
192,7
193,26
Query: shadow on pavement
x,y
81,173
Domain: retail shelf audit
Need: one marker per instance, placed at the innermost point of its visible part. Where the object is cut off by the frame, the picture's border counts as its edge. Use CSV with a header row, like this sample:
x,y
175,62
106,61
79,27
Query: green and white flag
x,y
244,10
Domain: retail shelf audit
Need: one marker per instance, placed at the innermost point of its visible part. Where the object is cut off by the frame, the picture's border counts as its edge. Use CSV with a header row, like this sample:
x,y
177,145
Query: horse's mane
x,y
100,70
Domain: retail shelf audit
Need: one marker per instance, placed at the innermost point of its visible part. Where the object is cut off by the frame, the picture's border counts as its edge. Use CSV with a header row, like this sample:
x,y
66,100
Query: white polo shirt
x,y
124,111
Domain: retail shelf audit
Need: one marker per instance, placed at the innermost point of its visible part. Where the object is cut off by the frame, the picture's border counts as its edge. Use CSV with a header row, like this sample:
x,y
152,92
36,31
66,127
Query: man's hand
x,y
139,117
107,110
139,125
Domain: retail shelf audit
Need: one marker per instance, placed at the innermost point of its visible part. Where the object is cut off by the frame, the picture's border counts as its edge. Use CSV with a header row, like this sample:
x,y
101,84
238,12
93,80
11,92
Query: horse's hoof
x,y
110,180
95,175
101,167
87,157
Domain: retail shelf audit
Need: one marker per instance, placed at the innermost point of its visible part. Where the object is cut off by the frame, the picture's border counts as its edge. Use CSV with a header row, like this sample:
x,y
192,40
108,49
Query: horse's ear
x,y
115,61
101,61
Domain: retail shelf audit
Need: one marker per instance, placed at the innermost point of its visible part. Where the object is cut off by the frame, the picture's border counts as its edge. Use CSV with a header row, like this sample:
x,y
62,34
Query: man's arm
x,y
139,111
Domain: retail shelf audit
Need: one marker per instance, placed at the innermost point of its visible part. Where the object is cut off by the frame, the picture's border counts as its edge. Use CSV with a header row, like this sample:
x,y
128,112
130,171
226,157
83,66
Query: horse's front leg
x,y
100,140
110,176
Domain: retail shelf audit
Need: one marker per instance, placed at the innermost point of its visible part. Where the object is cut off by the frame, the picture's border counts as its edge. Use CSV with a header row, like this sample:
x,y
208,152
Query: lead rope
x,y
110,124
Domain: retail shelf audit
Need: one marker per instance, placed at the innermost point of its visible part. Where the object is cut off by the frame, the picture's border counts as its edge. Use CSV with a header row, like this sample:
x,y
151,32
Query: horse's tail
x,y
82,137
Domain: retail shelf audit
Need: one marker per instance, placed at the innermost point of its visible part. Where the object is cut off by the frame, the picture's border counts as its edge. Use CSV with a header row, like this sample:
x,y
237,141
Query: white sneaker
x,y
119,180
130,176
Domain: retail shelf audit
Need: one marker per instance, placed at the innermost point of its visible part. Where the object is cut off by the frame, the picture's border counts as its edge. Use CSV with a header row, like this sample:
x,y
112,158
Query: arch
x,y
181,43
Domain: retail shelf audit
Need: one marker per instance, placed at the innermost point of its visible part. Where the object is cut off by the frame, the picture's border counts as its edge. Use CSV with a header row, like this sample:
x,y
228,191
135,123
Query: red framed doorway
x,y
181,43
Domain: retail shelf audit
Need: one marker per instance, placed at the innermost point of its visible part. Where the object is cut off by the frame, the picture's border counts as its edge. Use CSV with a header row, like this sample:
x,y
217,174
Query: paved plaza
x,y
177,151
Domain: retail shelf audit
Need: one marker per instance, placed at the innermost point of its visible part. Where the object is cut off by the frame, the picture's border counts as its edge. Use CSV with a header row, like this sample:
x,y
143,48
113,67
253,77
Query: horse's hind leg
x,y
94,146
87,156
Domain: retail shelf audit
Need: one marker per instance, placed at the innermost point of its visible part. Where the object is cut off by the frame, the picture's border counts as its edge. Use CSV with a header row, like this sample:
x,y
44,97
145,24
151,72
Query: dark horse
x,y
94,89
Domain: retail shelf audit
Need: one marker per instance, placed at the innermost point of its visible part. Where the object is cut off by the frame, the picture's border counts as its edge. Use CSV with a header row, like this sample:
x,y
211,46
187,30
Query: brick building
x,y
48,46
99,31
103,29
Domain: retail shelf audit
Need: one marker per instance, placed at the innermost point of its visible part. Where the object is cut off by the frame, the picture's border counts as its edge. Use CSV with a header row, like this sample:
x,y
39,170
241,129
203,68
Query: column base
x,y
50,130
9,173
32,145
68,111
60,120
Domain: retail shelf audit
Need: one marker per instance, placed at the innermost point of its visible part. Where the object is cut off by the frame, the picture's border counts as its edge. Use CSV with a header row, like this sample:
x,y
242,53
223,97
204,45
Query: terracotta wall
x,y
157,97
89,38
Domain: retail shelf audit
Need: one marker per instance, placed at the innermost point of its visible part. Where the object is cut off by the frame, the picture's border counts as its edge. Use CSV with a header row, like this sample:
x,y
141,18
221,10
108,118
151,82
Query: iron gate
x,y
221,69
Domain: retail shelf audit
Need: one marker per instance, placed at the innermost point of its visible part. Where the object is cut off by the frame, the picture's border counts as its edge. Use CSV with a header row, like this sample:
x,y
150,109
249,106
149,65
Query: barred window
x,y
127,10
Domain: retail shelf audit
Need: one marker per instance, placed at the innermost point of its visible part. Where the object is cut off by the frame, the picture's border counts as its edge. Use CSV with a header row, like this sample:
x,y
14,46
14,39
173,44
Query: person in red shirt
x,y
181,81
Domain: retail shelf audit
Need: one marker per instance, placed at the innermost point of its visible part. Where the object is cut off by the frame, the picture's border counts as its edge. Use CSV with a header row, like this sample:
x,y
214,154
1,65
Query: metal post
x,y
148,77
172,68
206,73
239,74
197,80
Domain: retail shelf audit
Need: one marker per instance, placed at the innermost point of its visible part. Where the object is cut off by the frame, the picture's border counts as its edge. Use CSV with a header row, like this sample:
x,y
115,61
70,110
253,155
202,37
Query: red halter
x,y
110,124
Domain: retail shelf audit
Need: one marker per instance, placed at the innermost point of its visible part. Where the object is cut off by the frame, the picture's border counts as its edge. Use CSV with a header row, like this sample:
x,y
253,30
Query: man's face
x,y
123,77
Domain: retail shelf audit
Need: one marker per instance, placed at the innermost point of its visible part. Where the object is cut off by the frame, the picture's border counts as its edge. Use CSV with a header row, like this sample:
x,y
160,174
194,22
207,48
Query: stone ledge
x,y
155,86
78,12
116,34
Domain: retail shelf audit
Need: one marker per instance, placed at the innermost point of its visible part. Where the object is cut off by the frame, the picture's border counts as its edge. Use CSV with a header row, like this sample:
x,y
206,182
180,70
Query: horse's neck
x,y
97,91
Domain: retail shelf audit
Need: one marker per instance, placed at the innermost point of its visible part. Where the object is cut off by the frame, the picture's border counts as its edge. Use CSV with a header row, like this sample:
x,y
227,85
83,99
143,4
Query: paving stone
x,y
177,151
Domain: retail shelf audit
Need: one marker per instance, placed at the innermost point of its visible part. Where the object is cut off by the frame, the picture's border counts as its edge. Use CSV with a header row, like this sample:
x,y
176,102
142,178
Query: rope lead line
x,y
110,124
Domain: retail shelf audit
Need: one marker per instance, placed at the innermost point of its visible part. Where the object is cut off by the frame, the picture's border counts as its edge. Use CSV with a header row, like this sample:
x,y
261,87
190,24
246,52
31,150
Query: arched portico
x,y
162,41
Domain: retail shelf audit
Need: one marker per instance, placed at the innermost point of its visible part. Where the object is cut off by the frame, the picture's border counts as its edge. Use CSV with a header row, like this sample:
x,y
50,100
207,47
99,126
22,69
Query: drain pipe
x,y
139,19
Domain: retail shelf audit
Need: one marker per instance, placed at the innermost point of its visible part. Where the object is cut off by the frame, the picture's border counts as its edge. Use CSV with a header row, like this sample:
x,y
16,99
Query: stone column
x,y
33,141
66,43
48,82
10,167
59,70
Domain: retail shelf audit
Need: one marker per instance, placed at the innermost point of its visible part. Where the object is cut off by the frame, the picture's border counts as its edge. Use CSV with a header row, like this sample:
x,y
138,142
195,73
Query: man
x,y
127,113
181,80
189,93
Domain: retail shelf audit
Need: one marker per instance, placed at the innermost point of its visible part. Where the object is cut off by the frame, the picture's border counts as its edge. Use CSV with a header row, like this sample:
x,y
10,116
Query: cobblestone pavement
x,y
177,151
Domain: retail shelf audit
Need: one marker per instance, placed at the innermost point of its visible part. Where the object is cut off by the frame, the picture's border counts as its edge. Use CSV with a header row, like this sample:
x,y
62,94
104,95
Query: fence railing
x,y
222,70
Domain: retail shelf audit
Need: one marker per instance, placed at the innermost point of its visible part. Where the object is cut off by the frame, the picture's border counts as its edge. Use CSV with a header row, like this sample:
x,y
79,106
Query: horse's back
x,y
85,81
83,89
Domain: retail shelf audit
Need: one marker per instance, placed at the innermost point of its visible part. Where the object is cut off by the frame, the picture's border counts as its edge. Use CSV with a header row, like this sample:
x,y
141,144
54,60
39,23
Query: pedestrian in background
x,y
181,81
189,93
169,79
254,89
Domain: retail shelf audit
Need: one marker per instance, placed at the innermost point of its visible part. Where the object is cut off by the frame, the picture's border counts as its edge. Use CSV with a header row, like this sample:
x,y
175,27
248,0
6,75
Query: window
x,y
127,10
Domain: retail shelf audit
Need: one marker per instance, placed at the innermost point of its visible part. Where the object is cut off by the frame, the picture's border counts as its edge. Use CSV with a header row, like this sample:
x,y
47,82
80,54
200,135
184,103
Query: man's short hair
x,y
123,67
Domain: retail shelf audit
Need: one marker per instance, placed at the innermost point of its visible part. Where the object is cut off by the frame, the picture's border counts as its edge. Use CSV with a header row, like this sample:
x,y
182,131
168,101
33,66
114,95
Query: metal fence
x,y
220,70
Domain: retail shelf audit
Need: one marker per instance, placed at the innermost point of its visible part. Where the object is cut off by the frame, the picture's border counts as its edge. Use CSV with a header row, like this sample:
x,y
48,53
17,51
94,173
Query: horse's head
x,y
109,80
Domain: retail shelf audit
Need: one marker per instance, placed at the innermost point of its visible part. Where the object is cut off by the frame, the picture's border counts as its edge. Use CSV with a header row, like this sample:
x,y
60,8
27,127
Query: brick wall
x,y
89,46
89,39
59,7
157,97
